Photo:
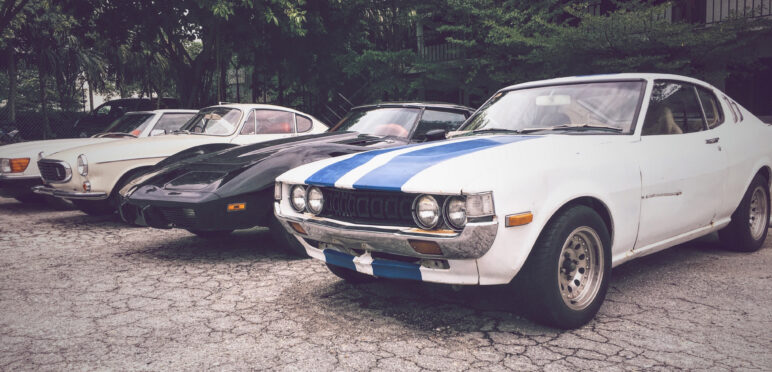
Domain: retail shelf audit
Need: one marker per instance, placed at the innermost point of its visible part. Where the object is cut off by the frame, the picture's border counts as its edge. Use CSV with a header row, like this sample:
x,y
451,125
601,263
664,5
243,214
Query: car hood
x,y
466,164
33,148
137,148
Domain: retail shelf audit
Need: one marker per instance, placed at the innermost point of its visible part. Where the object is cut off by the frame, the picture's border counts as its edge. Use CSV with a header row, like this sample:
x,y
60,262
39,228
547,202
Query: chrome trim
x,y
67,170
133,159
46,190
12,176
471,243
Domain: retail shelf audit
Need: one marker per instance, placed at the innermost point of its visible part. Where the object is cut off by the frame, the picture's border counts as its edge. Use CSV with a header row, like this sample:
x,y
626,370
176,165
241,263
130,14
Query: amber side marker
x,y
235,207
19,165
425,247
296,226
519,219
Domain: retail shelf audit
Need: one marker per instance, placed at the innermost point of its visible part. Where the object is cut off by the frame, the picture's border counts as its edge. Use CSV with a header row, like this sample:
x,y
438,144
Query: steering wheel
x,y
391,129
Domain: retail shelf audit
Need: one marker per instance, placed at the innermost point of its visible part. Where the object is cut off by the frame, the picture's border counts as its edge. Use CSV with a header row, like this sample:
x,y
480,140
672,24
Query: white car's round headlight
x,y
5,165
82,165
426,212
298,198
455,212
315,200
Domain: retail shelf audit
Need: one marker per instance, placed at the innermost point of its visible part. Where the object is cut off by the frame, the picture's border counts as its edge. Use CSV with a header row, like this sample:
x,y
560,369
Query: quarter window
x,y
673,109
273,122
713,113
249,124
304,124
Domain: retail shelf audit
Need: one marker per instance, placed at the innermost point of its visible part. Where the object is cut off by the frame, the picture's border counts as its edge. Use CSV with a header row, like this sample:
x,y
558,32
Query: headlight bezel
x,y
293,197
309,201
82,165
438,212
450,202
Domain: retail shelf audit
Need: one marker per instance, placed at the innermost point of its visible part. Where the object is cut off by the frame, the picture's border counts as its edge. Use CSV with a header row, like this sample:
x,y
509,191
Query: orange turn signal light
x,y
425,247
19,165
519,219
296,226
235,207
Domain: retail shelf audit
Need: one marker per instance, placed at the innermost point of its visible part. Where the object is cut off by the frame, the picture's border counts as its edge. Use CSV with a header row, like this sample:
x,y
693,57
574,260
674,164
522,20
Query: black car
x,y
97,120
213,193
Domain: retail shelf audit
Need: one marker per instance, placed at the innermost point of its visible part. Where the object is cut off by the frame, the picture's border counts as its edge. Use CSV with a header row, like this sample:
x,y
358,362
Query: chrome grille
x,y
53,171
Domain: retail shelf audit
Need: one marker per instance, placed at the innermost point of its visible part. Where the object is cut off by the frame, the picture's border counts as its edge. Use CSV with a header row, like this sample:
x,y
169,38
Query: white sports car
x,y
551,183
18,162
91,175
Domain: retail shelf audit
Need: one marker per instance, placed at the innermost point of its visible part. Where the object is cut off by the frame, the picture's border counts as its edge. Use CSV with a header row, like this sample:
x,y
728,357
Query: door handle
x,y
711,140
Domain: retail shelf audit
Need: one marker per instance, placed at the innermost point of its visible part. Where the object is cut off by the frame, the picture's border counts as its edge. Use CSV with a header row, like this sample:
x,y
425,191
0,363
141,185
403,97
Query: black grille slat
x,y
181,217
368,207
52,172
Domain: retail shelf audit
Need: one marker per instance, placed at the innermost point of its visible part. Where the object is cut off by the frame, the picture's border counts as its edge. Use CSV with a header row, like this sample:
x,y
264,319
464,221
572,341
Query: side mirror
x,y
157,132
435,134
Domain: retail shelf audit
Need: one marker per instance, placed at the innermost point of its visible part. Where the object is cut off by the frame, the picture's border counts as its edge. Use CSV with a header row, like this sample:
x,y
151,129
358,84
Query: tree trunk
x,y
90,98
238,93
44,104
11,86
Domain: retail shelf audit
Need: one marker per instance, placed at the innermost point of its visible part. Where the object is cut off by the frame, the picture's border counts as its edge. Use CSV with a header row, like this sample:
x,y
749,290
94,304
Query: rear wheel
x,y
748,229
349,275
567,273
215,234
284,239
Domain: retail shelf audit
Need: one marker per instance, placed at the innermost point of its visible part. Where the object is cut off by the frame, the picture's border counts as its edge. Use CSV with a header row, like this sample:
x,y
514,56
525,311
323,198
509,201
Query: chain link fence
x,y
30,125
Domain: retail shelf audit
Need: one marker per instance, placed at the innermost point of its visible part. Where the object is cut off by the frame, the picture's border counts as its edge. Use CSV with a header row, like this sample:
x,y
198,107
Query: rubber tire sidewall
x,y
538,279
284,239
737,235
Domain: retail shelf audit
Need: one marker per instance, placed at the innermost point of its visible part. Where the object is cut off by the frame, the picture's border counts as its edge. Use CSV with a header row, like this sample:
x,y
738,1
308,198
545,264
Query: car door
x,y
683,168
266,125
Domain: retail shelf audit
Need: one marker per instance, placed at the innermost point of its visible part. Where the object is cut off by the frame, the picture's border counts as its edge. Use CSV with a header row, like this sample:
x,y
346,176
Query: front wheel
x,y
748,229
567,273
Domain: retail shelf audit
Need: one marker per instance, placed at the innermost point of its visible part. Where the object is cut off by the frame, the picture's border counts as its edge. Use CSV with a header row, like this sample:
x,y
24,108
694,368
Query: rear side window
x,y
171,122
273,122
713,113
435,119
304,124
673,109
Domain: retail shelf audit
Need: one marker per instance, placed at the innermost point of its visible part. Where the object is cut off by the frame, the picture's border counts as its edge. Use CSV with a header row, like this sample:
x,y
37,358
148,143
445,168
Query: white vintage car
x,y
552,183
18,162
91,175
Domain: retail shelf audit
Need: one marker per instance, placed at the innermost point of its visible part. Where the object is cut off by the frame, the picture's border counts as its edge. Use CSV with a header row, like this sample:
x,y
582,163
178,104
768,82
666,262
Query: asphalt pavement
x,y
80,292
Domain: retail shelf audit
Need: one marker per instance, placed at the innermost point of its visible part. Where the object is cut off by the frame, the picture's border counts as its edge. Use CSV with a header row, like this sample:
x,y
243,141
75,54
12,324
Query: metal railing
x,y
721,10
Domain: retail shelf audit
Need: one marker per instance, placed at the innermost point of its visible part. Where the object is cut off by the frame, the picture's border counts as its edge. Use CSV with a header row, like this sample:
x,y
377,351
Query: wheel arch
x,y
128,174
593,203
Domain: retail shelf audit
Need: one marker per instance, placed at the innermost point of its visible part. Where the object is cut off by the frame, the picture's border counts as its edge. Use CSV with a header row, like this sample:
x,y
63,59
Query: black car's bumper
x,y
197,211
12,187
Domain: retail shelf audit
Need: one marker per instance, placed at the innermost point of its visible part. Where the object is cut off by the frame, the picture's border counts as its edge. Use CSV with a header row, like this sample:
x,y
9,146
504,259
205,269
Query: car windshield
x,y
220,121
598,107
132,124
386,121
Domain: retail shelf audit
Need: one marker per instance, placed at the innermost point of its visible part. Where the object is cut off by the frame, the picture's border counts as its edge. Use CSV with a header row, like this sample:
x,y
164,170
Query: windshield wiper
x,y
106,134
569,127
497,130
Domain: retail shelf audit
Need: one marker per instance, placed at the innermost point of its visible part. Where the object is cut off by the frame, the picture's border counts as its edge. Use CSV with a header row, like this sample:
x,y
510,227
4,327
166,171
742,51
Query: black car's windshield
x,y
597,107
385,121
220,121
132,124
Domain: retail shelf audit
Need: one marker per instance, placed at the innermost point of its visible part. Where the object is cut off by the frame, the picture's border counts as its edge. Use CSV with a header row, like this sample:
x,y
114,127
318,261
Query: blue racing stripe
x,y
392,175
328,175
339,259
396,270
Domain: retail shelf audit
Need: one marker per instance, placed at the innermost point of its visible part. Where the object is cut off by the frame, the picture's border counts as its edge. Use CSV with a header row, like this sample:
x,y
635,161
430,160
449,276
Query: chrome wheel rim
x,y
758,213
580,268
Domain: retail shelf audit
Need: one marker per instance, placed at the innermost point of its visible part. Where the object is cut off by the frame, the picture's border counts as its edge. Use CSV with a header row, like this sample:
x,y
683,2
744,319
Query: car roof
x,y
264,106
163,111
607,77
416,104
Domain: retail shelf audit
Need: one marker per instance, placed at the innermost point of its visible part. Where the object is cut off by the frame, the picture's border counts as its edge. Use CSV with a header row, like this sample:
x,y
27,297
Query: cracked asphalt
x,y
81,292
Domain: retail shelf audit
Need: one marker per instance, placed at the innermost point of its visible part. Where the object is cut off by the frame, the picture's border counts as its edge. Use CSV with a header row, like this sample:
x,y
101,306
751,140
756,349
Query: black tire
x,y
95,207
350,276
216,234
539,280
284,239
746,233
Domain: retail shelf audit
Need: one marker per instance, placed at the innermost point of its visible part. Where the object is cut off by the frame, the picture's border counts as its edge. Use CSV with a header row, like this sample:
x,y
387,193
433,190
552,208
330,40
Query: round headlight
x,y
315,200
455,212
82,165
298,198
426,212
5,165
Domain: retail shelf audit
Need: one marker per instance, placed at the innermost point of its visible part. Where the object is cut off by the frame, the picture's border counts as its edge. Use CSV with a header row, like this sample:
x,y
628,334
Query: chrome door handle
x,y
711,140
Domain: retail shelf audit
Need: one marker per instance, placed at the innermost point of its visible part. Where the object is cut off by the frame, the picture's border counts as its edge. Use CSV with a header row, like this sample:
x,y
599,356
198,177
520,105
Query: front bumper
x,y
48,190
13,186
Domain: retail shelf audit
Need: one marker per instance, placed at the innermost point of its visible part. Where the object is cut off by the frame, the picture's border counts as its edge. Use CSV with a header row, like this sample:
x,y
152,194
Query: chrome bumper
x,y
471,243
46,190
